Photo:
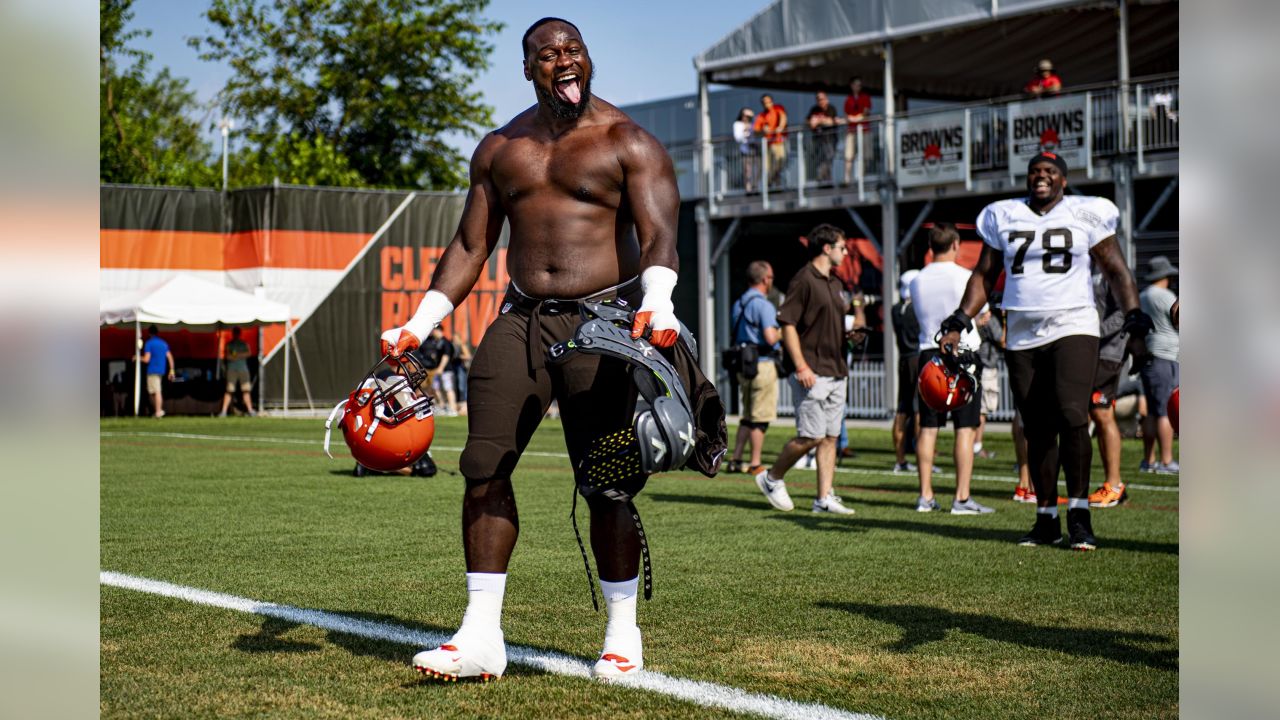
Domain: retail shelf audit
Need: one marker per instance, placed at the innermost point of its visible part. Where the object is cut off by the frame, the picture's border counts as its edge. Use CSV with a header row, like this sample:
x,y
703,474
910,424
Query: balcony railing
x,y
1146,124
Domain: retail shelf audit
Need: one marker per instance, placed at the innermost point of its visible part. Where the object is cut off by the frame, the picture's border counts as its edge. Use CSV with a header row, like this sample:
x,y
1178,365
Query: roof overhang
x,y
962,54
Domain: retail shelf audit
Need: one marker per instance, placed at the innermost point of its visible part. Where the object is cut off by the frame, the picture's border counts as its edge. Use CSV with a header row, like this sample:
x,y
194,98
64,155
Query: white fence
x,y
1147,122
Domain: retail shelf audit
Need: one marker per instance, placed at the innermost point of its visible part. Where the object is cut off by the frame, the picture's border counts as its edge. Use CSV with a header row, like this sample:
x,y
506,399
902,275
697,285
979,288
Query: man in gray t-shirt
x,y
1160,374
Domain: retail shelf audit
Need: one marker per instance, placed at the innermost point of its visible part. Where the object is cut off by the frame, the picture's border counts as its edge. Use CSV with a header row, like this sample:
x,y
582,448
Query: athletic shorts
x,y
444,381
237,379
1159,378
511,385
1051,383
778,153
1106,378
760,393
851,144
153,383
908,377
819,409
990,390
967,416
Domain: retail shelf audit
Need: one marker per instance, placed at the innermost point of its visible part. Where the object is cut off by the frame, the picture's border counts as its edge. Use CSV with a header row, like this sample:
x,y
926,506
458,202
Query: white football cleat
x,y
622,655
467,656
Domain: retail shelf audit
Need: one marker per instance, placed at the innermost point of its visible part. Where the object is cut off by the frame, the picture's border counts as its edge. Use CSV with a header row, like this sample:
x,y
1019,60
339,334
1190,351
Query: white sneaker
x,y
925,506
466,655
808,462
906,467
775,491
969,507
832,504
623,655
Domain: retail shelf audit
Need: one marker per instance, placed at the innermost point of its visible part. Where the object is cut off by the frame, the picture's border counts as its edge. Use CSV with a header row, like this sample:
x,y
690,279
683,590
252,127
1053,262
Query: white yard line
x,y
703,693
534,453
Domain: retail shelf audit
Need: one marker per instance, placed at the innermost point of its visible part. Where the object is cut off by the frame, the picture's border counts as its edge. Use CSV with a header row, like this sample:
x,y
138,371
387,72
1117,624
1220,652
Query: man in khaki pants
x,y
755,321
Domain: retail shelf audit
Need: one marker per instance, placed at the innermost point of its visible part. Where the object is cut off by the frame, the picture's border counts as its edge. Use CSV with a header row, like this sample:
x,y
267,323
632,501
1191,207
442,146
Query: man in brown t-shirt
x,y
814,330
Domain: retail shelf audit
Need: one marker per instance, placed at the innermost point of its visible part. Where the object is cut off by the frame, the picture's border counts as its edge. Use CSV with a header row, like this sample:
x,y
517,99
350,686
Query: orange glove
x,y
398,341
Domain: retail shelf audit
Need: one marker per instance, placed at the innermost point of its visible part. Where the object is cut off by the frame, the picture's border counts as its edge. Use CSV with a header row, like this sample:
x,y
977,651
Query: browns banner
x,y
349,263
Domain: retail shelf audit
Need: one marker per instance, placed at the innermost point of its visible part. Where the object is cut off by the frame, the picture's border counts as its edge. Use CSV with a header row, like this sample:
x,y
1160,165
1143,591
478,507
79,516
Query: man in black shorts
x,y
1102,404
1048,243
592,203
906,333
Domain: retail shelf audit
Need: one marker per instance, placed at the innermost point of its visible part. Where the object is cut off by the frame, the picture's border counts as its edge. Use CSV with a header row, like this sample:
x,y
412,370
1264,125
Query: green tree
x,y
147,134
295,160
378,81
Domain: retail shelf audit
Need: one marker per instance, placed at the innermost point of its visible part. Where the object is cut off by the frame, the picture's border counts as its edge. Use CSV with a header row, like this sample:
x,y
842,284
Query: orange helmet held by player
x,y
946,384
387,421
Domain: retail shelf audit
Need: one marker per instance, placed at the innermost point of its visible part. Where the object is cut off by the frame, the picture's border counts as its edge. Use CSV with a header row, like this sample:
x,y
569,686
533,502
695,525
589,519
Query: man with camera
x,y
751,358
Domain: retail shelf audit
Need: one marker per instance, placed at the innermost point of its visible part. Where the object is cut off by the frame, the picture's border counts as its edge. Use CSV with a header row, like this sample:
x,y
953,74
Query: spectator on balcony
x,y
1045,82
772,124
748,147
822,120
856,107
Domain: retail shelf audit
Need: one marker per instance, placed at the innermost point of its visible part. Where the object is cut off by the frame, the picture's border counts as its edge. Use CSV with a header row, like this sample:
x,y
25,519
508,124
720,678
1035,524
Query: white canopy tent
x,y
194,303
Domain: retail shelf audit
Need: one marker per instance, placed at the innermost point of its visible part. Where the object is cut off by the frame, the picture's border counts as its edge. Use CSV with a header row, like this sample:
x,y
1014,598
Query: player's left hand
x,y
659,326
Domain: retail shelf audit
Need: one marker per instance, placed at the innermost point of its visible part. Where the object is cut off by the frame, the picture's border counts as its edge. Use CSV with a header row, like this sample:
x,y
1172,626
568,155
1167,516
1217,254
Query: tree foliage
x,y
147,134
377,83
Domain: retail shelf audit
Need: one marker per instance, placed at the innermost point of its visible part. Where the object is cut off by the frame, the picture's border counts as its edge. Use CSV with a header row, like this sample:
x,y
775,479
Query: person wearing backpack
x,y
755,332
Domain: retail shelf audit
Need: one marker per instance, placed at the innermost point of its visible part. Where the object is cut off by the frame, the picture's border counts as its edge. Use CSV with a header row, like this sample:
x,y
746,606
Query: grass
x,y
888,611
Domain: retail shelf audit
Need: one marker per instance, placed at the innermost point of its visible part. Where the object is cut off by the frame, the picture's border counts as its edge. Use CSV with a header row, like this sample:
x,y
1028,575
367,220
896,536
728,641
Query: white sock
x,y
1050,511
620,602
1077,503
484,602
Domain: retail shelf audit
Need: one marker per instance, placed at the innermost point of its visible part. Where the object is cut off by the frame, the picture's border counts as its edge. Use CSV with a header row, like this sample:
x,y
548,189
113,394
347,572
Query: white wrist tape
x,y
657,282
435,306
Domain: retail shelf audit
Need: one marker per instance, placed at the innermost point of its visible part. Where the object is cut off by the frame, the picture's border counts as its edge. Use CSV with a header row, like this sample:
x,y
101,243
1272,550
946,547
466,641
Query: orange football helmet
x,y
1173,409
387,421
945,384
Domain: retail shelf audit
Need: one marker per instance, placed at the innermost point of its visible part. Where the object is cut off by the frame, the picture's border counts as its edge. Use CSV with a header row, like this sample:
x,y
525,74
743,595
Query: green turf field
x,y
887,612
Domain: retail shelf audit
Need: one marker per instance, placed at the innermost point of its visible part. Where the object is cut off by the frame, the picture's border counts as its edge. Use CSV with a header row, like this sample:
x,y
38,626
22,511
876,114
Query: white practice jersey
x,y
1048,287
1046,257
936,293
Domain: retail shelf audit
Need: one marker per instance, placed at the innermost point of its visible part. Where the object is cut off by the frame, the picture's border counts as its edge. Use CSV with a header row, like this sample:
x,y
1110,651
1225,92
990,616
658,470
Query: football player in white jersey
x,y
1047,243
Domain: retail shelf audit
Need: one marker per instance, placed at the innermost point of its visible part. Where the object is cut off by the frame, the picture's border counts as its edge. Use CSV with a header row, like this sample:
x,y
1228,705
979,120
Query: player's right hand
x,y
398,341
806,377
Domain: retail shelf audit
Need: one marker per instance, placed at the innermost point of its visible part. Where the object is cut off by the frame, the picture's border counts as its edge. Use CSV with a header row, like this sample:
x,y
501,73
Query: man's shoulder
x,y
1091,210
1005,207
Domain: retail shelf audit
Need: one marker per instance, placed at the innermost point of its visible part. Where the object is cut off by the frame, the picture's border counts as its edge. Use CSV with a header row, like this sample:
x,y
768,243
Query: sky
x,y
642,50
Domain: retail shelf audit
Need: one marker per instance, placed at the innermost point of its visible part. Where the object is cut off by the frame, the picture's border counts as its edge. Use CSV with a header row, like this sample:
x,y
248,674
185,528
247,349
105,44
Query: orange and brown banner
x,y
316,249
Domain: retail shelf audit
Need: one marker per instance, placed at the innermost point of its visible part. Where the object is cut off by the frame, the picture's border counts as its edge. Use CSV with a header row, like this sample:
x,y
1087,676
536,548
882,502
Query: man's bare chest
x,y
585,170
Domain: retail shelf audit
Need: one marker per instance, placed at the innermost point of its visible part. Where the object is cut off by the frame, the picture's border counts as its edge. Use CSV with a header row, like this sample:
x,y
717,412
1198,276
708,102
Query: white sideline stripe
x,y
446,448
700,692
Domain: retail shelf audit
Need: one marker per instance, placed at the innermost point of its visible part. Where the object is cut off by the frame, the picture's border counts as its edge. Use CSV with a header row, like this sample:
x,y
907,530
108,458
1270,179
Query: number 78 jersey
x,y
1046,257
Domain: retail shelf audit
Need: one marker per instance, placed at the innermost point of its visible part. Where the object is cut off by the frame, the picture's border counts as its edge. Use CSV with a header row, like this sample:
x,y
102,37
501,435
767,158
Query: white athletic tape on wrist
x,y
435,306
658,283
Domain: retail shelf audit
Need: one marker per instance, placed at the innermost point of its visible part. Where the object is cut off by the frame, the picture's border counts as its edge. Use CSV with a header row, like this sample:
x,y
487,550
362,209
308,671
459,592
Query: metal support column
x,y
889,231
1123,171
708,351
722,308
1122,62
